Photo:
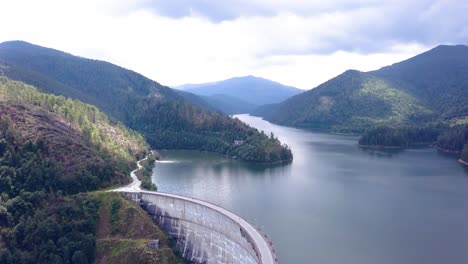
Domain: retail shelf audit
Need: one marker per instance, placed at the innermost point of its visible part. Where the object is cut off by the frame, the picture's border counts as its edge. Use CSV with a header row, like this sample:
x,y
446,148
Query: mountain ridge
x,y
166,119
429,86
255,91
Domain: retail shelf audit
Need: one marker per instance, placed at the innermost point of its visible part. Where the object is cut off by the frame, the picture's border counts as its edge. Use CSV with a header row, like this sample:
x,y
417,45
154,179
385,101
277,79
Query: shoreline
x,y
311,129
380,147
446,150
233,157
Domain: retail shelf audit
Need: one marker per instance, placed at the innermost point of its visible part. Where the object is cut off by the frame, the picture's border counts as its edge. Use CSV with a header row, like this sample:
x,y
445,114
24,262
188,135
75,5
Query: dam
x,y
204,232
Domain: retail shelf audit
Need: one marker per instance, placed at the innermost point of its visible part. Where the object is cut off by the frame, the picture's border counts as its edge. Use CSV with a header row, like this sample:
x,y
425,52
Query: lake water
x,y
336,203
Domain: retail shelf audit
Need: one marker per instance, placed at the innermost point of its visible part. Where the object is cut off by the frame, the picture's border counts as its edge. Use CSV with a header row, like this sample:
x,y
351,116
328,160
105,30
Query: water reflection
x,y
337,203
382,153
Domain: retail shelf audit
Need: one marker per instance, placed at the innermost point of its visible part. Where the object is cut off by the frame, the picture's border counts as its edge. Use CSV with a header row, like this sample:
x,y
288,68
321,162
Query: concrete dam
x,y
204,232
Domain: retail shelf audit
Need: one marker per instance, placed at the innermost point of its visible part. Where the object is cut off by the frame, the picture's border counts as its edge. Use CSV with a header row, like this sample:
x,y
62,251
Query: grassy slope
x,y
123,233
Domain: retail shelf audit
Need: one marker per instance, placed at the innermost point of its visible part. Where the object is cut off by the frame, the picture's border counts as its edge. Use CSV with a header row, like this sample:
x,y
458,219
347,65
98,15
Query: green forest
x,y
52,150
86,119
402,137
349,103
37,223
430,87
414,102
75,136
161,115
442,136
146,172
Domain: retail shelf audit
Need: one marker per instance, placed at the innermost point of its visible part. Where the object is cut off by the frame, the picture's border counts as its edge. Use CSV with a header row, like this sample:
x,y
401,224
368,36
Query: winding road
x,y
135,185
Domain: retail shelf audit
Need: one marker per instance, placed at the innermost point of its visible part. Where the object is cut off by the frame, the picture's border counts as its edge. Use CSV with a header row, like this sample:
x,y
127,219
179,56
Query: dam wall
x,y
206,233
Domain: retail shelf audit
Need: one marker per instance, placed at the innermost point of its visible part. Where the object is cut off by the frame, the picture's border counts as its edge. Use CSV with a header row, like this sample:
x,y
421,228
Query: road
x,y
135,185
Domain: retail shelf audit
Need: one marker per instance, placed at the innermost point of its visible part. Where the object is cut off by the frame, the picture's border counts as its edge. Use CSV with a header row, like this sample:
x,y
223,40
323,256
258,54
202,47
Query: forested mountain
x,y
50,149
75,139
431,86
243,93
198,101
446,138
349,102
162,116
438,78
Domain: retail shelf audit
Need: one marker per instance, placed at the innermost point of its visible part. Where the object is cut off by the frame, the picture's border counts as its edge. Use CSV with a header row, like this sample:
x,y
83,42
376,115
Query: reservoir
x,y
336,203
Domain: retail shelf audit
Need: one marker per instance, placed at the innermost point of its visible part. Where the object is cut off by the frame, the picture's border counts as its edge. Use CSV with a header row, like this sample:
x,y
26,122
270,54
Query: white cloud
x,y
291,48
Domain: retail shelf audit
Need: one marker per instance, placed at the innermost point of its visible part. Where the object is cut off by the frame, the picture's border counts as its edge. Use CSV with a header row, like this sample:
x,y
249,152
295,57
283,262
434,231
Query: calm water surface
x,y
336,203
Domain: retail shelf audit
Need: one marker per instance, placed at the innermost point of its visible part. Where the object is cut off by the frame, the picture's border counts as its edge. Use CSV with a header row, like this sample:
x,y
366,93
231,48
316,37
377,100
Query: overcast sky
x,y
298,43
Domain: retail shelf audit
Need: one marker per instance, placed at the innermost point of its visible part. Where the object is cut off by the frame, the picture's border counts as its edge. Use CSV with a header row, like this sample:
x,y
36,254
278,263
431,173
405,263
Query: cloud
x,y
293,42
218,11
352,25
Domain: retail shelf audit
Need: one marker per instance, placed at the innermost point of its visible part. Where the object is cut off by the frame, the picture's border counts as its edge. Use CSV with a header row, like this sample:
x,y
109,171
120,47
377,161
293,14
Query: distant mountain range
x,y
428,87
241,94
229,104
166,119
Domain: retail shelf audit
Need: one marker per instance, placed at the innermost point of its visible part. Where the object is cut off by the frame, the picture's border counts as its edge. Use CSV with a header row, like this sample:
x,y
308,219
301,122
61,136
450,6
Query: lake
x,y
336,203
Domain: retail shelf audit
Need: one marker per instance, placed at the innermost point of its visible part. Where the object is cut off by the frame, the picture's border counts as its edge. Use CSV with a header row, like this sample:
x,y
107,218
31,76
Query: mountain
x,y
253,90
219,103
53,149
229,104
161,115
76,139
198,101
428,87
438,78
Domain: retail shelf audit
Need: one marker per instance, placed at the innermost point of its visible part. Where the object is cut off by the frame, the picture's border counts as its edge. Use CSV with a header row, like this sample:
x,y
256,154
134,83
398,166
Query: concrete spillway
x,y
204,232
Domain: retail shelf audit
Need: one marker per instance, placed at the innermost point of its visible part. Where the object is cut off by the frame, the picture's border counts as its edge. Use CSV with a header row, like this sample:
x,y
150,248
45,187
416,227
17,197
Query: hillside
x,y
351,102
50,149
246,92
198,101
438,78
162,116
123,232
76,138
83,228
431,86
228,104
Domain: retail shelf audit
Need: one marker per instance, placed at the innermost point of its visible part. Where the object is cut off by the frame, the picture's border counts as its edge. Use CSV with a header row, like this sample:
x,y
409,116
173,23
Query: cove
x,y
336,203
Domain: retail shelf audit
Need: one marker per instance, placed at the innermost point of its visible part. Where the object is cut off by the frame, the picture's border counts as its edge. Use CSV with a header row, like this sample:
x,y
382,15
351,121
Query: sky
x,y
294,42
